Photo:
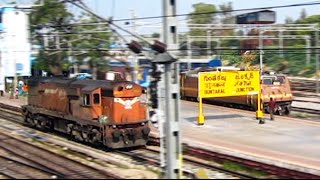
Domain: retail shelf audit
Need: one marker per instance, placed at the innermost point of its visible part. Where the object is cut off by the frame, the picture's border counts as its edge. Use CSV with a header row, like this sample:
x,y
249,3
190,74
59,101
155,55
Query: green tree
x,y
155,35
93,43
202,14
310,20
303,14
49,18
289,20
227,17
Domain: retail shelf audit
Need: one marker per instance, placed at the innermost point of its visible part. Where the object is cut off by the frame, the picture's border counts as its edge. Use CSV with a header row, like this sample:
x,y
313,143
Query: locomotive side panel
x,y
48,96
54,98
189,86
33,93
242,100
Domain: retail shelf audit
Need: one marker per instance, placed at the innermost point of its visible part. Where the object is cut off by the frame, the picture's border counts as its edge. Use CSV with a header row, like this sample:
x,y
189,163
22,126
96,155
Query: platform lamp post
x,y
15,75
260,50
209,43
317,59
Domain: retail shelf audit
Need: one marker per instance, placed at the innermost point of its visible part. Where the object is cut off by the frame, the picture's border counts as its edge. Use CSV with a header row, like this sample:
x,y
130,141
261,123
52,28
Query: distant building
x,y
259,17
15,48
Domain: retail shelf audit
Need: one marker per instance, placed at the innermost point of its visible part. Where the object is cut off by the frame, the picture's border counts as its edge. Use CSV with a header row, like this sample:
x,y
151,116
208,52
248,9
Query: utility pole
x,y
317,59
169,89
281,43
70,58
15,79
260,50
135,62
308,53
209,43
189,51
2,75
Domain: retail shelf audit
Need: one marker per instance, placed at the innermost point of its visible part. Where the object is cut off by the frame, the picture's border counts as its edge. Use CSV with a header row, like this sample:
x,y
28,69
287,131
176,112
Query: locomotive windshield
x,y
274,80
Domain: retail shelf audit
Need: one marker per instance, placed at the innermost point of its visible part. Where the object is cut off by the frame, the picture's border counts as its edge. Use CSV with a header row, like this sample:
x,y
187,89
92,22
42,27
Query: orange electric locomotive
x,y
107,112
273,85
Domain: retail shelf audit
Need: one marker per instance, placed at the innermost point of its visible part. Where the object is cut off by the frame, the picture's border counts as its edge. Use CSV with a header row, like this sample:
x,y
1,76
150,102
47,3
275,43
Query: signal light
x,y
135,47
159,47
156,77
154,94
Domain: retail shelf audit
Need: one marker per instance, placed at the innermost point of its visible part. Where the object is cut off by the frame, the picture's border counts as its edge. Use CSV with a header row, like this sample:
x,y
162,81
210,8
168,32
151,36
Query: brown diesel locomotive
x,y
107,112
273,85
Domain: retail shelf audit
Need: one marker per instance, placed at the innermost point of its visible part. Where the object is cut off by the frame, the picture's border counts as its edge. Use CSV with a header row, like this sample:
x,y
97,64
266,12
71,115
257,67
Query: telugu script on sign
x,y
234,83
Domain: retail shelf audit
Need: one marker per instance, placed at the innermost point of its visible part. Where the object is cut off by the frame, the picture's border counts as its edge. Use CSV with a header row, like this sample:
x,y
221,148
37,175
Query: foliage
x,y
209,17
293,63
82,43
90,41
303,14
49,18
227,8
310,20
196,17
227,18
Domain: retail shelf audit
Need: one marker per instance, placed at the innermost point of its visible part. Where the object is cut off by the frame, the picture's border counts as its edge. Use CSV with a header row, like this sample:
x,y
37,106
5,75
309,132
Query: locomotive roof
x,y
85,84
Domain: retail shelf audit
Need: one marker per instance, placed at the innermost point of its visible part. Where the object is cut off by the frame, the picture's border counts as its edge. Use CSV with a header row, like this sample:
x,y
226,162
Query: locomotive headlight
x,y
103,119
129,86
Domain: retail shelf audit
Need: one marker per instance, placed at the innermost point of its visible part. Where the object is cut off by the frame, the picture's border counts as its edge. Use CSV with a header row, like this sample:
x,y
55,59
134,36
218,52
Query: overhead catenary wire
x,y
110,21
217,49
193,14
221,12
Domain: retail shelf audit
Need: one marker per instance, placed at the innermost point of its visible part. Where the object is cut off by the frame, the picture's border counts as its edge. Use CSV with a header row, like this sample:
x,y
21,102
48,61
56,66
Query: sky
x,y
122,9
144,8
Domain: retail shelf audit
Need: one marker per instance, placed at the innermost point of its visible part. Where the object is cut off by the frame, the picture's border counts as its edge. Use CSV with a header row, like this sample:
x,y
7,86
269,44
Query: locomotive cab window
x,y
86,100
267,81
96,98
281,79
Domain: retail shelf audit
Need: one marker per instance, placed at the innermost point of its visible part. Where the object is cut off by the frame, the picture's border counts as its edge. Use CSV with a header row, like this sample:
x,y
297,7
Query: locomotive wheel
x,y
76,133
94,136
287,110
28,119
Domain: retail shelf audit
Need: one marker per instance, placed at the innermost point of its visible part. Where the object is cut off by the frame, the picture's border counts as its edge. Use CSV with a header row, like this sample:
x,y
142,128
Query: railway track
x,y
190,165
150,156
271,170
303,84
203,155
205,158
15,169
306,110
30,161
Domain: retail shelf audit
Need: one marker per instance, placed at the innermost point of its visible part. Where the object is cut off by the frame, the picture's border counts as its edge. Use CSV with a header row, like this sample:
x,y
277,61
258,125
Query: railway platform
x,y
285,142
12,101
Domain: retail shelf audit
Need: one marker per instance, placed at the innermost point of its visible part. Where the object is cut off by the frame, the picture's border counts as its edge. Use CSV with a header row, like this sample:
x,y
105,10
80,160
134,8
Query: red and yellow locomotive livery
x,y
273,85
107,112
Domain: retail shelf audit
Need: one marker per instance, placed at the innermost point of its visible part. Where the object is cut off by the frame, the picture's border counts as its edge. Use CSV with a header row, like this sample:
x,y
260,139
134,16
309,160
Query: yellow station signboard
x,y
230,83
